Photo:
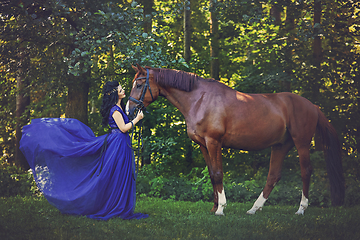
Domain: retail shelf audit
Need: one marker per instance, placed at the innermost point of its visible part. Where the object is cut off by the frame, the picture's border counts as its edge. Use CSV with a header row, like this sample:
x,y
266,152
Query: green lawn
x,y
35,218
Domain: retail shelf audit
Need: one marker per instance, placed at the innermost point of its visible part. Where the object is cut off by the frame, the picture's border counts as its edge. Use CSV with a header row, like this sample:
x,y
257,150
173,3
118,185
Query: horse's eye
x,y
138,85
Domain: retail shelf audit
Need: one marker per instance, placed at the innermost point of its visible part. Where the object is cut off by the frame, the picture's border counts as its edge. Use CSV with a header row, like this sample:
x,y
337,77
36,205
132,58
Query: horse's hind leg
x,y
278,153
306,170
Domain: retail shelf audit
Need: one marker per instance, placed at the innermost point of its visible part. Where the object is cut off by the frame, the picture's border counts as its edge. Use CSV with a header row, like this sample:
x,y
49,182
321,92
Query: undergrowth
x,y
196,186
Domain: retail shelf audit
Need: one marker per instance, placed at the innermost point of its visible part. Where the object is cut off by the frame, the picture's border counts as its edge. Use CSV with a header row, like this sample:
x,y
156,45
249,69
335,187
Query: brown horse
x,y
218,116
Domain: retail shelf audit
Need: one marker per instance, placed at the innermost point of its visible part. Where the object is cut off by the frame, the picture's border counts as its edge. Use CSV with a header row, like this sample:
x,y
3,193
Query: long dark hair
x,y
110,98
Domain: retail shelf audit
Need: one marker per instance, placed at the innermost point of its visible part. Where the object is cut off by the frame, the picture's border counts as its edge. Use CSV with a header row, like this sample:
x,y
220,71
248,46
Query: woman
x,y
82,174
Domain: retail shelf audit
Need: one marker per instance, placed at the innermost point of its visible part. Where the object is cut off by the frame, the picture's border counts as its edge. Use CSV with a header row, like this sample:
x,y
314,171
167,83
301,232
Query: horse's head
x,y
144,91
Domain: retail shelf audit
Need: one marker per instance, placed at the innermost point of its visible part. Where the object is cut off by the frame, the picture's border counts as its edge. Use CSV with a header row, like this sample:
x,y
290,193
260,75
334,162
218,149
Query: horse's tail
x,y
332,152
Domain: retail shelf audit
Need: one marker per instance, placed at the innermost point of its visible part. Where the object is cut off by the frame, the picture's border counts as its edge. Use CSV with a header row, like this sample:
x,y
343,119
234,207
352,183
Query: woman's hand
x,y
140,115
119,120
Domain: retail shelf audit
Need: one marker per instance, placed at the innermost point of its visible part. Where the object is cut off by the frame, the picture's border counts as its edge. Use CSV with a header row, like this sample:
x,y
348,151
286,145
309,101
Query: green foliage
x,y
116,29
14,181
167,142
155,181
351,165
7,108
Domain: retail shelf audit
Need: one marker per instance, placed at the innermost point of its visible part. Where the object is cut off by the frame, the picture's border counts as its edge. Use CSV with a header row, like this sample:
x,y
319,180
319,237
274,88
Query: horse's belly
x,y
255,140
245,145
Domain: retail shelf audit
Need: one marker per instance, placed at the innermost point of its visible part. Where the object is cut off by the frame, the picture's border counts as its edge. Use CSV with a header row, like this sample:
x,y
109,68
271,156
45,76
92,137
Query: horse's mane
x,y
177,79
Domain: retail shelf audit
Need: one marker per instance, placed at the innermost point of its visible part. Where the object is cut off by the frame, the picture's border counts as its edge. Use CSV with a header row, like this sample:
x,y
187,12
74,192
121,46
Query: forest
x,y
57,54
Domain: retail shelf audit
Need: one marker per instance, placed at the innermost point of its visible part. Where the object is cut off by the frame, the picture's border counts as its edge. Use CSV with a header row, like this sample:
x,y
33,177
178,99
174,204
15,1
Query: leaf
x,y
134,4
100,12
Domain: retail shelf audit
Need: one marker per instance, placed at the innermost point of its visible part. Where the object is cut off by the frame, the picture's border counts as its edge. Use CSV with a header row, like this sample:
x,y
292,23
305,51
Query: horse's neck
x,y
180,99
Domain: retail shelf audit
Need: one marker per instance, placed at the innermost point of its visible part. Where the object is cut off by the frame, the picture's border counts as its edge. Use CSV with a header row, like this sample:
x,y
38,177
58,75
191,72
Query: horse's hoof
x,y
251,212
213,209
220,212
300,212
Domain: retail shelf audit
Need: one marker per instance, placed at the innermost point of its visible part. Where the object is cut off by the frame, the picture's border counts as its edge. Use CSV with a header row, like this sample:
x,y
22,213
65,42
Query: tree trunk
x,y
187,57
317,52
110,69
189,154
148,9
289,28
146,152
357,133
21,115
214,41
275,12
187,31
77,99
317,57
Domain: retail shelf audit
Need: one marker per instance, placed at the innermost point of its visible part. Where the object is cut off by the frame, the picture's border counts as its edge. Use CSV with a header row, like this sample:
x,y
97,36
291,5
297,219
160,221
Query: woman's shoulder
x,y
115,108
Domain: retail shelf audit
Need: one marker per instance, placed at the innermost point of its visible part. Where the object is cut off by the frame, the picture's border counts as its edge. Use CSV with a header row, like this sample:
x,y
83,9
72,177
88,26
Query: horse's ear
x,y
135,68
141,69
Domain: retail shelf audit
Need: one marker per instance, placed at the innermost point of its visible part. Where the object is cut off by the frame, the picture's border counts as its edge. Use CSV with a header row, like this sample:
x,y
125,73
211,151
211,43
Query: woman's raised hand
x,y
140,115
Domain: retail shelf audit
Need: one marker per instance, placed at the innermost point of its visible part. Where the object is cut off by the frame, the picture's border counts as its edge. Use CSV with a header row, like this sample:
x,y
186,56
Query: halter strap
x,y
140,102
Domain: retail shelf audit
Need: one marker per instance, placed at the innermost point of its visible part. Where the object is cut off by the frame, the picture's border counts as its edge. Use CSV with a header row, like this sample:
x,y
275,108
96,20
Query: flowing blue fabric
x,y
76,173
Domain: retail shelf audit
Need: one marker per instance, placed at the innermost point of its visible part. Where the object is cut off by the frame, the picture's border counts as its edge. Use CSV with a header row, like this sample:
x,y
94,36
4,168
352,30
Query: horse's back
x,y
262,120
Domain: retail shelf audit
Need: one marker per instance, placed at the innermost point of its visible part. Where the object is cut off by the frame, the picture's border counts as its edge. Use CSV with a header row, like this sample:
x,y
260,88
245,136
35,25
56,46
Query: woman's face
x,y
121,92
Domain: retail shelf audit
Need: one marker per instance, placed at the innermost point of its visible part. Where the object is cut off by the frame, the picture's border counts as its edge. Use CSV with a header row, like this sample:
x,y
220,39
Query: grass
x,y
35,218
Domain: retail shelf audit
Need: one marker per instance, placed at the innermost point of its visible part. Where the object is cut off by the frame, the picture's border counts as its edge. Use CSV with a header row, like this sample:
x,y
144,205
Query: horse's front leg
x,y
207,161
213,158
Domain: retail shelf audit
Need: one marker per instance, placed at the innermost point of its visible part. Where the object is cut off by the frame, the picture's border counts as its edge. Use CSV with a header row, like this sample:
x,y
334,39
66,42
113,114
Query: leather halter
x,y
140,105
140,102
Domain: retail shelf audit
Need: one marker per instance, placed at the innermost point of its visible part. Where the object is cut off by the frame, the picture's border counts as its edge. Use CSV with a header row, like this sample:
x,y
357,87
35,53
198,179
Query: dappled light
x,y
243,97
56,56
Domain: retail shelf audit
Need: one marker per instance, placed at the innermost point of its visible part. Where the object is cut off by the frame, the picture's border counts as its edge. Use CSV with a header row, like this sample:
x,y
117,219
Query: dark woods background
x,y
57,54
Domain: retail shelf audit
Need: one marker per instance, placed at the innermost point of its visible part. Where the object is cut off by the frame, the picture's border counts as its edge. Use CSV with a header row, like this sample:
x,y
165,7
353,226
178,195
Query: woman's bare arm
x,y
119,120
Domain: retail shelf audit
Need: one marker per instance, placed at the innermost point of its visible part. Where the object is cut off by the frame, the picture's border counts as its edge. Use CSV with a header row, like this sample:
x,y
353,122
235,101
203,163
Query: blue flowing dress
x,y
76,172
